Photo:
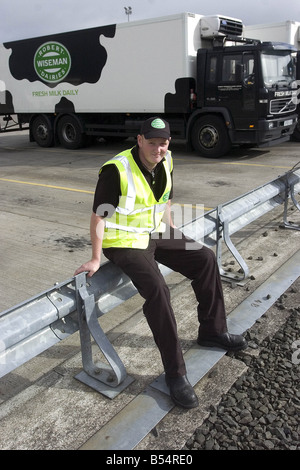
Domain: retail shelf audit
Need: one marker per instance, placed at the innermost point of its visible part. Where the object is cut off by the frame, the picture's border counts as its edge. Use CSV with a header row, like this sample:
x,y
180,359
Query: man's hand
x,y
91,267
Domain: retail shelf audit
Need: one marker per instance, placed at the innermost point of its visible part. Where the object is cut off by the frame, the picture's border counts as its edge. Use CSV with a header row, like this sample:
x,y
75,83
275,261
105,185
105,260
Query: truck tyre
x,y
209,137
70,133
42,131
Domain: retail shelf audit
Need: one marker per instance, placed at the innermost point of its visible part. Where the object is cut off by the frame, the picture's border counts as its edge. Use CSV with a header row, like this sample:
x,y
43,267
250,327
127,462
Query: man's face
x,y
152,151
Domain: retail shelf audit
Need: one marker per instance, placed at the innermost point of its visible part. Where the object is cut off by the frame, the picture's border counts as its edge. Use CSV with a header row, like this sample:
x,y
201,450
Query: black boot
x,y
181,392
225,341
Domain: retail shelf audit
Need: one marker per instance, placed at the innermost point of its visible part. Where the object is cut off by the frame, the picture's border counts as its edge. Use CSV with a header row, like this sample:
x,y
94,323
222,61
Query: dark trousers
x,y
197,264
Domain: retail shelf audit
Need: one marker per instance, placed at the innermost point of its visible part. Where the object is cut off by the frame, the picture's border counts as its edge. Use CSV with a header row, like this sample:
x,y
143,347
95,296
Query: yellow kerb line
x,y
47,186
256,164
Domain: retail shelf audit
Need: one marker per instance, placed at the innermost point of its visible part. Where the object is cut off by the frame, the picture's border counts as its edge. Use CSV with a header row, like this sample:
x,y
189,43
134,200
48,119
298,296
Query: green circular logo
x,y
158,124
52,62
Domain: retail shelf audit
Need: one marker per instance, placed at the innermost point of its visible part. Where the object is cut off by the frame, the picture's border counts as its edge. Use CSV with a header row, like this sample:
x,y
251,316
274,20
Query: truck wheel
x,y
69,133
42,131
209,137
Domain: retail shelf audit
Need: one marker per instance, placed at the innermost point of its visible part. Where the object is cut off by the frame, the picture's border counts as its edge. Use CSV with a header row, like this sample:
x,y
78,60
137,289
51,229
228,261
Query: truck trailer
x,y
285,31
198,72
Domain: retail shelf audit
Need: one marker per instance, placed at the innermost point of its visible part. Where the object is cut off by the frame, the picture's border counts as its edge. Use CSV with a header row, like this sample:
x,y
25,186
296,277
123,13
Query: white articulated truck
x,y
195,71
285,31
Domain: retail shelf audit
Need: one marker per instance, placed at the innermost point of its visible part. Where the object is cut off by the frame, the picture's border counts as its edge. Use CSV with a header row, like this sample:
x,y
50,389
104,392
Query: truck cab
x,y
249,87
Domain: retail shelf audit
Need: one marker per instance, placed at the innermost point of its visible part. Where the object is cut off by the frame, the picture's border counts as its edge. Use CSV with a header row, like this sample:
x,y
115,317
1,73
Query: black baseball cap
x,y
155,127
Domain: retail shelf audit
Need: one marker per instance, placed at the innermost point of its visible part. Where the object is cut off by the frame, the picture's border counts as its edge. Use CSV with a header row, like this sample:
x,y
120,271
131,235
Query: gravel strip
x,y
261,411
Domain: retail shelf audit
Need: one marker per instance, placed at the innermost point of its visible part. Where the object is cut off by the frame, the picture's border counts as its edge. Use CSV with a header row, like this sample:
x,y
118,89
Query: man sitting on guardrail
x,y
131,222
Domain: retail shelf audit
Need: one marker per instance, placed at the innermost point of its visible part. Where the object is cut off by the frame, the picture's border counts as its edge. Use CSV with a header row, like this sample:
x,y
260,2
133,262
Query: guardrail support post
x,y
223,234
289,191
109,381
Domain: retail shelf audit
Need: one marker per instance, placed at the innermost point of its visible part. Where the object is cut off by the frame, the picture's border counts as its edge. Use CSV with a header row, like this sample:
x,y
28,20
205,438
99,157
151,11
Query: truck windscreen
x,y
279,68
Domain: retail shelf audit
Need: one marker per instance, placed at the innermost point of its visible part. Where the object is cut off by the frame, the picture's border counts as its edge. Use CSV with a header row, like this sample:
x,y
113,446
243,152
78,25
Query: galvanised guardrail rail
x,y
33,326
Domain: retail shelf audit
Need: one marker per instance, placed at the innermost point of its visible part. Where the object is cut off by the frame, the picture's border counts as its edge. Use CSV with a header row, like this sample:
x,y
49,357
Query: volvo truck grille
x,y
282,105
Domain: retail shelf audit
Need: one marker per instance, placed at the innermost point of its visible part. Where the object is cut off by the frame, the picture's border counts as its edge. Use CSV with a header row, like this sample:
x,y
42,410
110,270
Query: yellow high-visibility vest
x,y
138,213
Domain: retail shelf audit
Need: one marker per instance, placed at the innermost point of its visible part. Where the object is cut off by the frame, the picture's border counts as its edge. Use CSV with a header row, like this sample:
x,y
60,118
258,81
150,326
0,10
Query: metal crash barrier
x,y
33,326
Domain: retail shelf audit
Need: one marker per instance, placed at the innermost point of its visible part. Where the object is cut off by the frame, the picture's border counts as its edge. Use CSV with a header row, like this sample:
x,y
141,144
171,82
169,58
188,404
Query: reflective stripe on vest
x,y
138,213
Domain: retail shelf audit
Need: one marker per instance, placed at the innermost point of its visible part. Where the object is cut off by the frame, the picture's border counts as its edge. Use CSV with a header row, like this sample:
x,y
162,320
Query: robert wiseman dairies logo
x,y
52,62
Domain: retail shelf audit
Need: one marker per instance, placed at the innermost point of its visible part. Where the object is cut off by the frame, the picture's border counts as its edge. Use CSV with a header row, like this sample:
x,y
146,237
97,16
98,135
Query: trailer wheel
x,y
42,131
209,137
70,133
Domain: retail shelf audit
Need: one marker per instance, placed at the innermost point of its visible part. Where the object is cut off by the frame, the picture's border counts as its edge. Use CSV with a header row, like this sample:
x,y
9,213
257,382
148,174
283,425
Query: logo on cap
x,y
158,124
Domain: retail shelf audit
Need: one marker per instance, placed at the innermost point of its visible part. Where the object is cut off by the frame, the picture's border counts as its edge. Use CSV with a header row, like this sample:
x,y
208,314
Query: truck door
x,y
249,84
236,88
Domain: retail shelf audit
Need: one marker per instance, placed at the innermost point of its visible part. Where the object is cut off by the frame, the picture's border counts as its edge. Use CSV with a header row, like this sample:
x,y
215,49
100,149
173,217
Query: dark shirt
x,y
108,189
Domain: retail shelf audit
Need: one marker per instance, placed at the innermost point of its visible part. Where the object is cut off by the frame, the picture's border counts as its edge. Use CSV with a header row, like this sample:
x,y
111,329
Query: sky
x,y
21,19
